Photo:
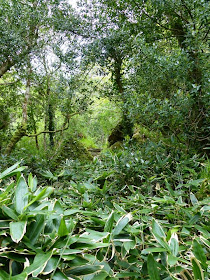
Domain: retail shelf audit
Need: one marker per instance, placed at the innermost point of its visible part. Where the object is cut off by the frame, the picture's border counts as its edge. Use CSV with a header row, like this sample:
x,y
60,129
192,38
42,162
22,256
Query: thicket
x,y
104,140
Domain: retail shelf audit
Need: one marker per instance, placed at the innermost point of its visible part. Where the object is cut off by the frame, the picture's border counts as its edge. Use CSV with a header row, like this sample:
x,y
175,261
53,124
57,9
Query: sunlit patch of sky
x,y
73,3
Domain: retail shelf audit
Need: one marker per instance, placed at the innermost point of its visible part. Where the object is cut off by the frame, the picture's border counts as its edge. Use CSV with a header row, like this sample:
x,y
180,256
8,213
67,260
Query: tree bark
x,y
21,130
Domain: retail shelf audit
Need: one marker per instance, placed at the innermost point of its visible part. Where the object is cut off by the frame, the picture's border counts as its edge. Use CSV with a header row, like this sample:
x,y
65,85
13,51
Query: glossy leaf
x,y
152,268
21,195
197,270
17,230
122,223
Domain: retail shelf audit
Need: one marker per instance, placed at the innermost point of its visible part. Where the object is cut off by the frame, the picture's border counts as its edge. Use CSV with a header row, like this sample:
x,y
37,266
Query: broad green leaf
x,y
153,250
157,229
3,275
100,276
60,276
43,193
109,223
122,223
174,244
84,270
39,263
22,276
21,195
197,270
199,252
12,170
36,228
193,199
17,230
10,212
119,208
71,212
152,268
51,265
62,231
127,275
32,182
172,260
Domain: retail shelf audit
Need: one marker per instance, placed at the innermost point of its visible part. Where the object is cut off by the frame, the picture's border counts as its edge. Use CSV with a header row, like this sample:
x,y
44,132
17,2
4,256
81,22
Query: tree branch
x,y
55,131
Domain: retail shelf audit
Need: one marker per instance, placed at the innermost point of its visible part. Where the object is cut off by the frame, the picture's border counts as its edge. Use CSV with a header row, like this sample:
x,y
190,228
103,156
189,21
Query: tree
x,y
182,27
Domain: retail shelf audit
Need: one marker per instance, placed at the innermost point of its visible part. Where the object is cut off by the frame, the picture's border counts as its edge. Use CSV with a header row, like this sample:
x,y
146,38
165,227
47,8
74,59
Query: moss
x,y
117,146
19,133
72,148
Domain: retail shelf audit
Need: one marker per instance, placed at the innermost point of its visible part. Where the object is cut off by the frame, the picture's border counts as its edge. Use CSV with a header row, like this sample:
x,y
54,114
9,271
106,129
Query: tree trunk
x,y
21,130
126,121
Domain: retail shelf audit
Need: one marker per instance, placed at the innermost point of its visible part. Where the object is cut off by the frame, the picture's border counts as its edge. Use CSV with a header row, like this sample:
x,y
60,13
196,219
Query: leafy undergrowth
x,y
111,220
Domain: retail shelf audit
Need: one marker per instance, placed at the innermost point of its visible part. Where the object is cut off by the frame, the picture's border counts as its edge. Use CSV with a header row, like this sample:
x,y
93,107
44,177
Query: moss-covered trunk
x,y
19,133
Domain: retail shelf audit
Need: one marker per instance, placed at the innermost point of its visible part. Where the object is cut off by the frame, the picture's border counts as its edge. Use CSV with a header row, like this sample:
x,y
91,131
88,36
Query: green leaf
x,y
199,252
157,229
62,231
109,223
197,270
122,223
10,212
193,199
152,268
186,275
153,250
3,275
159,235
100,276
12,170
174,244
32,182
60,276
127,275
17,230
43,193
51,265
172,260
39,263
84,270
22,276
21,195
36,228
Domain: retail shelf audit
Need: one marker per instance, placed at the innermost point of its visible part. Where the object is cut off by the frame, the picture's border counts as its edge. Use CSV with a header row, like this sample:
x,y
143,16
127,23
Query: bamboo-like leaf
x,y
44,193
109,223
62,231
17,230
152,268
193,199
186,275
51,265
60,276
36,228
12,170
157,229
84,270
174,244
22,276
21,195
122,223
199,252
197,269
10,212
39,263
32,182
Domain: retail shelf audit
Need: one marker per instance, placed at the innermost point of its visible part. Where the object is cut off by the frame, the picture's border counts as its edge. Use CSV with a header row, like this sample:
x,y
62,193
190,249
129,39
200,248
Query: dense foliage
x,y
104,140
